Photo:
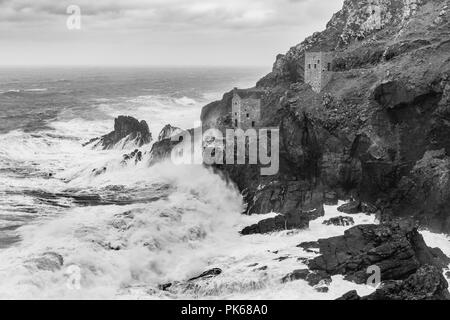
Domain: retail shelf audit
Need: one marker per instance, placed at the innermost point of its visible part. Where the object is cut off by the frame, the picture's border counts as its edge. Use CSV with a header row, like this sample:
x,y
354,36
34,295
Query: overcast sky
x,y
157,32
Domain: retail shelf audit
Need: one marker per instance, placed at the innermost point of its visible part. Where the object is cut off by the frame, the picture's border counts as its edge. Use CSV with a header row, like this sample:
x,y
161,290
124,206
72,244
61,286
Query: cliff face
x,y
379,131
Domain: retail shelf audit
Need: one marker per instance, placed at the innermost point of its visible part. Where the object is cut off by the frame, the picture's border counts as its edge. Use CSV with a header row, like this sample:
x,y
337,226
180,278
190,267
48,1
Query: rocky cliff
x,y
378,132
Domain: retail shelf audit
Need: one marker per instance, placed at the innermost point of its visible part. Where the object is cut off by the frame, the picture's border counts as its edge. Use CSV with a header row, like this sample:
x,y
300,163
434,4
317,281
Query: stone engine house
x,y
246,109
318,70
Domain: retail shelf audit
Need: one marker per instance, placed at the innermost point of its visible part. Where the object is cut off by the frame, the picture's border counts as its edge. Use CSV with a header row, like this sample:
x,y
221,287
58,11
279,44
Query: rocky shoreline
x,y
378,134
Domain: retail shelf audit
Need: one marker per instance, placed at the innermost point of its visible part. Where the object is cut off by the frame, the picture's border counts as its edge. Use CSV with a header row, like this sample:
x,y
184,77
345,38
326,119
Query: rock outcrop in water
x,y
396,248
126,130
168,132
427,283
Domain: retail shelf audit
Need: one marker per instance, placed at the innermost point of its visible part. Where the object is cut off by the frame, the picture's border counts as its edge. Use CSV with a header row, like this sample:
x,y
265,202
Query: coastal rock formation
x,y
288,221
427,283
126,130
168,132
378,132
340,221
396,248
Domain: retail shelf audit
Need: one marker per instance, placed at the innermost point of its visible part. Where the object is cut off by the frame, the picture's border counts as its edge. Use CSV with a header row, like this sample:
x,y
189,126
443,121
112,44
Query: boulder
x,y
396,248
340,221
312,246
350,296
427,283
313,278
208,274
353,207
289,221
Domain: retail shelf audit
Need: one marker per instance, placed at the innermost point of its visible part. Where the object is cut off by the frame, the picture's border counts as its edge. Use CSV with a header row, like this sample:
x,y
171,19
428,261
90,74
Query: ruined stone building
x,y
318,69
246,109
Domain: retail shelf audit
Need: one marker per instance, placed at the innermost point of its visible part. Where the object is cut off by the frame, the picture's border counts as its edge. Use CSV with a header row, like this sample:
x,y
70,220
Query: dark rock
x,y
164,287
353,207
322,289
340,221
397,249
296,275
318,277
392,94
426,190
136,155
331,198
278,223
313,278
350,296
127,128
280,259
208,274
264,268
312,247
427,283
162,150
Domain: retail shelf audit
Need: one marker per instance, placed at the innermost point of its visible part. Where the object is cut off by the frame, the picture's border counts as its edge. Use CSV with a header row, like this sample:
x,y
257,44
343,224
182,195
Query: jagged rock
x,y
165,286
396,248
427,283
331,198
168,132
353,207
208,274
350,296
322,289
312,246
136,155
127,128
288,221
296,275
426,191
340,221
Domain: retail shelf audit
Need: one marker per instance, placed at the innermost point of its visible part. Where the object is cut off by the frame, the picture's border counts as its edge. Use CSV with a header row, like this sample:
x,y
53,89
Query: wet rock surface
x,y
340,221
128,128
427,283
397,249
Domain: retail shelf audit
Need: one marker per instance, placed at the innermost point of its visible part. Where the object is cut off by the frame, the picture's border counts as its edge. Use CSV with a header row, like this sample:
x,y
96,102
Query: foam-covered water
x,y
132,227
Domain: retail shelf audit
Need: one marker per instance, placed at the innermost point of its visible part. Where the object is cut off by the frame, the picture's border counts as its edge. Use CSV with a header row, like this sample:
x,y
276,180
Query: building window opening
x,y
309,66
248,115
329,67
315,66
253,124
235,123
318,61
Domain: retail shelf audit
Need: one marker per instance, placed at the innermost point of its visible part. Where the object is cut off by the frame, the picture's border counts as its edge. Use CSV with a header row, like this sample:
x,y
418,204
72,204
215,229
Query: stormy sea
x,y
130,230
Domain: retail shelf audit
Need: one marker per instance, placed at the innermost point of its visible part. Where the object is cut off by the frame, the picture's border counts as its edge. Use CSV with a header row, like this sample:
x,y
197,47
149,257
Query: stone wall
x,y
246,112
318,69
